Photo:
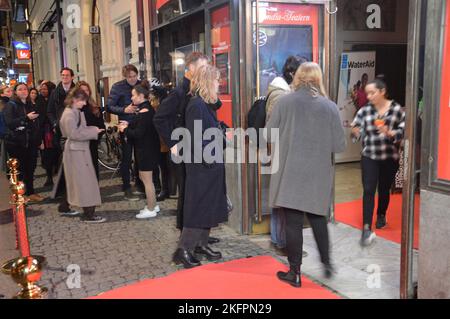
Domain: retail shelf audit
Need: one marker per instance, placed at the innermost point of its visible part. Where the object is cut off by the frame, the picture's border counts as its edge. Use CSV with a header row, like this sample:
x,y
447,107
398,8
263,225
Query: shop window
x,y
173,43
169,9
126,40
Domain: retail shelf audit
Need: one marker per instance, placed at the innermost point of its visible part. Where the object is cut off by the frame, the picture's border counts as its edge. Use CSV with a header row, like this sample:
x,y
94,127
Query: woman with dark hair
x,y
381,125
94,117
147,146
49,153
81,182
5,94
22,137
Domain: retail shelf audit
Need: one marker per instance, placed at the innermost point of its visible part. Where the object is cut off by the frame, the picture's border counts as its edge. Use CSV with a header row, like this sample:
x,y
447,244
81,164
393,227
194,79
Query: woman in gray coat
x,y
310,131
81,181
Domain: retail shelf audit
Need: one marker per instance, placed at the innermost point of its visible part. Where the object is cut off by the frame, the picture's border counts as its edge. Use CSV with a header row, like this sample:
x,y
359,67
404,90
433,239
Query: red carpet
x,y
250,278
351,214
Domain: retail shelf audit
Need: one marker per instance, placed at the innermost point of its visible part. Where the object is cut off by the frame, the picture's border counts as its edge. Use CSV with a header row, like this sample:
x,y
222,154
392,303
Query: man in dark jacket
x,y
170,116
55,110
119,103
56,101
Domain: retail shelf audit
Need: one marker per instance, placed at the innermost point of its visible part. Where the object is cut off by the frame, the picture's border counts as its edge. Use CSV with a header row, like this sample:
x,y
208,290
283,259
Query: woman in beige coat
x,y
81,182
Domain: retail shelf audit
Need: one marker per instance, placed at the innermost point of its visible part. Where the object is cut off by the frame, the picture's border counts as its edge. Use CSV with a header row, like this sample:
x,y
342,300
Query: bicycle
x,y
109,149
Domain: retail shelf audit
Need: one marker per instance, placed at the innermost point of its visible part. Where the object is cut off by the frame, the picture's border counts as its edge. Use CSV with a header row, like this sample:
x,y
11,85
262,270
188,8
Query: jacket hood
x,y
279,83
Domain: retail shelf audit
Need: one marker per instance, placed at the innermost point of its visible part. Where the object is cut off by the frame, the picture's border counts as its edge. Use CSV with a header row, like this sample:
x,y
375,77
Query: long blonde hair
x,y
202,83
309,76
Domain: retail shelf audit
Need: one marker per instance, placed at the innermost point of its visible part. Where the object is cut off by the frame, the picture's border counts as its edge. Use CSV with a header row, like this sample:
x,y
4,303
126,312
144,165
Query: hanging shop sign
x,y
443,158
21,45
23,54
357,69
285,30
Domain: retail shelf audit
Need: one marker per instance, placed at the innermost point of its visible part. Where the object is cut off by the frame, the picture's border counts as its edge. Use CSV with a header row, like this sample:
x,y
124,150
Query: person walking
x,y
310,131
279,87
171,115
49,151
23,137
119,103
146,141
94,117
81,182
381,126
205,201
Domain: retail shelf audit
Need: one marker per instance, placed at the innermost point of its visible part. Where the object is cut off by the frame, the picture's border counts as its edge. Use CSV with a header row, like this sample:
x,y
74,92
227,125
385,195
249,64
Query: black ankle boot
x,y
162,196
208,253
183,256
292,277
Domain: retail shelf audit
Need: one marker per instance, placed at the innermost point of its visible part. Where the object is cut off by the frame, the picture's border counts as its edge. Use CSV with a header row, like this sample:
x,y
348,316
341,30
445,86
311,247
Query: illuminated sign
x,y
23,54
21,45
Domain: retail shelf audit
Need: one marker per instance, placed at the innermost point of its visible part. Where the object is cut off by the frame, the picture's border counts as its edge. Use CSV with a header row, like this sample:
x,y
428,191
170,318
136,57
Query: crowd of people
x,y
65,123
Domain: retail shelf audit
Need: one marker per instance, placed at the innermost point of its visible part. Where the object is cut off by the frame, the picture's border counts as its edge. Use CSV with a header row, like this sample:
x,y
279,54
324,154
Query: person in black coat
x,y
22,137
49,153
146,141
94,117
205,201
170,115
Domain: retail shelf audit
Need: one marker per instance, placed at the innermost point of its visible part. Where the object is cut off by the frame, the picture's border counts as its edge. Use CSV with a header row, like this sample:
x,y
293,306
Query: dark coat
x,y
205,202
56,104
20,130
170,114
145,139
119,98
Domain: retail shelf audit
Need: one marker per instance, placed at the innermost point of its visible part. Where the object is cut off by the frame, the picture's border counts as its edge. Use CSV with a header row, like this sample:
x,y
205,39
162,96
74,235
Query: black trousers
x,y
193,237
180,171
294,235
165,172
125,166
49,160
27,157
381,175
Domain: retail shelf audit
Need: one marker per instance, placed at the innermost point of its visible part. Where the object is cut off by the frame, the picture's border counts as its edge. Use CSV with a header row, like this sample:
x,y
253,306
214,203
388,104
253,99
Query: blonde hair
x,y
309,76
202,83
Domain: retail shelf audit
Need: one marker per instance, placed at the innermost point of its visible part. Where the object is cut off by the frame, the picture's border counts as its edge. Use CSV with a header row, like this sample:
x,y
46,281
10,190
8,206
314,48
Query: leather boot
x,y
292,277
210,254
162,196
183,256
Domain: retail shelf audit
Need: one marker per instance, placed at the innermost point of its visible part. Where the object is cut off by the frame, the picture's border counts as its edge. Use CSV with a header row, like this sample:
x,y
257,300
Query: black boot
x,y
162,196
210,254
183,256
49,181
292,277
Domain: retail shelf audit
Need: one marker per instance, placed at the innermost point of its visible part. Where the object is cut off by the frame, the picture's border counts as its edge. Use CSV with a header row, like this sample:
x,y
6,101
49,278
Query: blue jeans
x,y
278,227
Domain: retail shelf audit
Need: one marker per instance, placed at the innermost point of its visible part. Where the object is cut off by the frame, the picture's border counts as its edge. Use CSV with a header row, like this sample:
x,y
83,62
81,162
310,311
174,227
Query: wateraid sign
x,y
357,69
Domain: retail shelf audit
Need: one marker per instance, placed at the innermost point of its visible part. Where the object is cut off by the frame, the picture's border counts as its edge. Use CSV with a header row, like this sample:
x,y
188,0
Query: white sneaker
x,y
146,213
157,209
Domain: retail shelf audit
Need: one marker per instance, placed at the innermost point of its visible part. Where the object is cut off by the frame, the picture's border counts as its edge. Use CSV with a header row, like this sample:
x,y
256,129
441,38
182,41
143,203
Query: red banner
x,y
443,165
221,48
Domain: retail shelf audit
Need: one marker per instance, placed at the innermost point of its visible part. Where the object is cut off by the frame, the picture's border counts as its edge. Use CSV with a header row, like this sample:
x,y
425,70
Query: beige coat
x,y
81,182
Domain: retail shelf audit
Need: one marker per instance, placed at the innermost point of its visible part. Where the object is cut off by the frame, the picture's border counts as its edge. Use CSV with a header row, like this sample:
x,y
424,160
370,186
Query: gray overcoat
x,y
81,182
310,130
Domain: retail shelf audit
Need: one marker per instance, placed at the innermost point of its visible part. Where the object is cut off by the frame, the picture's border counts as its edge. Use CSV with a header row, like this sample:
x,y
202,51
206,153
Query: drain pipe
x,y
141,39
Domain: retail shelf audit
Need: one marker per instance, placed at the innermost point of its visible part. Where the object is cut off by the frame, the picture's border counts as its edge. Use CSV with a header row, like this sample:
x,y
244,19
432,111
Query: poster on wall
x,y
443,166
357,69
369,15
284,30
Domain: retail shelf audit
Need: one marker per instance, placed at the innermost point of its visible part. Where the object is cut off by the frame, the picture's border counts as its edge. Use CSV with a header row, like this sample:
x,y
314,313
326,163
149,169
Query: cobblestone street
x,y
120,252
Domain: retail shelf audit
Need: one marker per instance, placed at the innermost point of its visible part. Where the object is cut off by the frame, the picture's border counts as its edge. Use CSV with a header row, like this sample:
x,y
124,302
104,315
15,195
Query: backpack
x,y
257,115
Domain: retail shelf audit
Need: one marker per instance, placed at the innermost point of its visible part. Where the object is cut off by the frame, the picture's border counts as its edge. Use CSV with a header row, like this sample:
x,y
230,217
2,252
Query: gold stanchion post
x,y
27,269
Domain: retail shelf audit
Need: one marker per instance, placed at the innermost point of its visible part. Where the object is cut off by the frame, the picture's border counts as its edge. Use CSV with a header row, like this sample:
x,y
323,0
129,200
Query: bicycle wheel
x,y
108,155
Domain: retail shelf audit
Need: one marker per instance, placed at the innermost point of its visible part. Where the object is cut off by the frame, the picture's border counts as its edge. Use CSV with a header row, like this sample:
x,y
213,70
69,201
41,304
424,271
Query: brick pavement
x,y
120,252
